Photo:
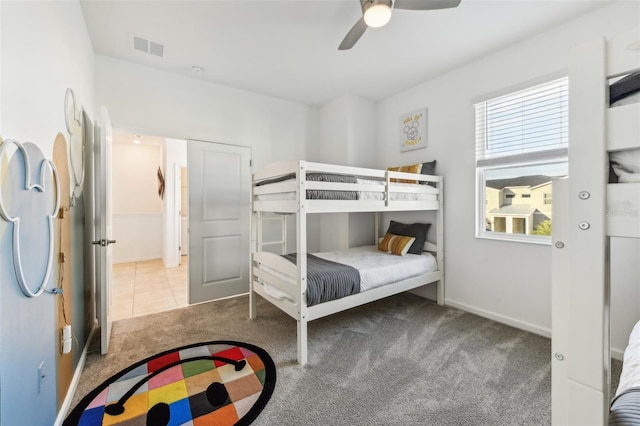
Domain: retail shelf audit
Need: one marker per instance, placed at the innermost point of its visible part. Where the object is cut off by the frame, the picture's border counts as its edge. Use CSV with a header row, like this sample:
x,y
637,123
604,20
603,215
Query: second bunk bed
x,y
599,200
310,286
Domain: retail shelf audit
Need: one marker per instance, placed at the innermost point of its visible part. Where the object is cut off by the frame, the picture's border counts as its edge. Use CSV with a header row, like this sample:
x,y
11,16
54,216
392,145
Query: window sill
x,y
518,238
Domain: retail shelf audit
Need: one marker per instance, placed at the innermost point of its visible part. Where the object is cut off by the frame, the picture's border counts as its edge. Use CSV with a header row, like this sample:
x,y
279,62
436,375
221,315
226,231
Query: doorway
x,y
178,249
149,275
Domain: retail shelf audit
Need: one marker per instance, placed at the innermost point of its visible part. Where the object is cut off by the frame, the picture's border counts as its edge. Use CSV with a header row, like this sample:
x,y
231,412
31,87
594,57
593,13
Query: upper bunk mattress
x,y
353,195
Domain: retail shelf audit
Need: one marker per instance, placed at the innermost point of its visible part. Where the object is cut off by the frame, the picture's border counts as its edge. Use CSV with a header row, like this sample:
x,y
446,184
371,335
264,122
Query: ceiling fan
x,y
376,13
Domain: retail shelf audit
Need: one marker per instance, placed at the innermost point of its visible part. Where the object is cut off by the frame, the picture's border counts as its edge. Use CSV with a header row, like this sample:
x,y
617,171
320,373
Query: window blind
x,y
523,126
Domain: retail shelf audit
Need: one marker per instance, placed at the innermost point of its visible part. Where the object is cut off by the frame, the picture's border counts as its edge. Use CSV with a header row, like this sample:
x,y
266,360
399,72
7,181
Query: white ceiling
x,y
288,48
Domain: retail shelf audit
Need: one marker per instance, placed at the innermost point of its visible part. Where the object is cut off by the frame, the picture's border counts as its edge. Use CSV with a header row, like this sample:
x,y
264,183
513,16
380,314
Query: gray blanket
x,y
316,194
327,280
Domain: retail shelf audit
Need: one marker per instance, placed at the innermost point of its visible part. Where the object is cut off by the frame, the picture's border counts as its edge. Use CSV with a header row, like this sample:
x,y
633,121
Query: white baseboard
x,y
66,404
522,325
615,352
136,259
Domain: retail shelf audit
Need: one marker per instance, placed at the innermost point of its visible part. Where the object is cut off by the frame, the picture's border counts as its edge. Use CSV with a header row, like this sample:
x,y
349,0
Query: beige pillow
x,y
396,244
413,168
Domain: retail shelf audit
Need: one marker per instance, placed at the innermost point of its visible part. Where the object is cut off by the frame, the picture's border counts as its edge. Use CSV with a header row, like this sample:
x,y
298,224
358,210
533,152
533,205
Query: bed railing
x,y
377,190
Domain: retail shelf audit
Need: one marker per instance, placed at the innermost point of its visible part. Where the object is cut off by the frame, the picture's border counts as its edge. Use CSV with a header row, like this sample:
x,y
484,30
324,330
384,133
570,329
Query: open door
x,y
219,179
104,227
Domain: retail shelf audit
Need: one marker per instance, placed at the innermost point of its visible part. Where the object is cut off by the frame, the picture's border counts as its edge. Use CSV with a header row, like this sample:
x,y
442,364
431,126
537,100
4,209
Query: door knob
x,y
103,242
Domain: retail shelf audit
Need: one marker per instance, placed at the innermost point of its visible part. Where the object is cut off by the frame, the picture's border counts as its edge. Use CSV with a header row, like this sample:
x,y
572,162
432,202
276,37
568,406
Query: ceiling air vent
x,y
146,46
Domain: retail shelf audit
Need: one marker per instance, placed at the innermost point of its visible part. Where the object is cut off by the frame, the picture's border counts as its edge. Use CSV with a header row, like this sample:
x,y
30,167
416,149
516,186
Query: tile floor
x,y
140,288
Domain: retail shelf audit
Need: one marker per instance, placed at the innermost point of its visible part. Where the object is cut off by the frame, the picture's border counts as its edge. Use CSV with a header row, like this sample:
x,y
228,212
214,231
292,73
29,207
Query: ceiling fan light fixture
x,y
377,14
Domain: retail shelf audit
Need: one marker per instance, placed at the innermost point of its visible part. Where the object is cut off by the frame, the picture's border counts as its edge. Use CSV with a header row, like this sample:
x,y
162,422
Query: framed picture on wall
x,y
413,130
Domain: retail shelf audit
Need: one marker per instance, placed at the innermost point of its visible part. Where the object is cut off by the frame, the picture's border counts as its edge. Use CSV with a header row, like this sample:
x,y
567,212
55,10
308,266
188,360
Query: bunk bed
x,y
588,211
301,188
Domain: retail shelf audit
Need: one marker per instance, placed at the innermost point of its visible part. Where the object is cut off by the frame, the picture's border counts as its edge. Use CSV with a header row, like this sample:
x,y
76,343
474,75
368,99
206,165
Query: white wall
x,y
158,103
507,281
361,137
45,50
137,208
333,148
346,137
171,106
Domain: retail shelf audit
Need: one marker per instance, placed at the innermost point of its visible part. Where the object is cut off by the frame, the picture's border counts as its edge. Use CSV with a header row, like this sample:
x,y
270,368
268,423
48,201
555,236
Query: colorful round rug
x,y
212,383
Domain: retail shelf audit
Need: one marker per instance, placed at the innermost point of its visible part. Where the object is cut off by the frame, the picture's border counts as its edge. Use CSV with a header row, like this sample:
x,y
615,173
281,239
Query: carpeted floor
x,y
399,361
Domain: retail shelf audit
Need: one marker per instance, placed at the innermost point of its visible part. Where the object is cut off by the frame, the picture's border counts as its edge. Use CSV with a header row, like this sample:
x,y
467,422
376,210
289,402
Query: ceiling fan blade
x,y
425,4
353,35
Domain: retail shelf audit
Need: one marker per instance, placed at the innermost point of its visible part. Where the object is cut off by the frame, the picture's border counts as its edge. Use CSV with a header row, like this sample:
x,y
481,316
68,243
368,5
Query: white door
x,y
104,228
89,214
219,179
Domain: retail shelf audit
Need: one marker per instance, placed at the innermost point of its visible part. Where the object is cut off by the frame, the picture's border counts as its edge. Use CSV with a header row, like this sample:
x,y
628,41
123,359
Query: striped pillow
x,y
396,244
413,168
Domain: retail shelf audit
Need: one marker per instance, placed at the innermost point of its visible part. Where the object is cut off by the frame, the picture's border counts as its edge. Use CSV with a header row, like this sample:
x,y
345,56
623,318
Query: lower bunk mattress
x,y
625,407
336,274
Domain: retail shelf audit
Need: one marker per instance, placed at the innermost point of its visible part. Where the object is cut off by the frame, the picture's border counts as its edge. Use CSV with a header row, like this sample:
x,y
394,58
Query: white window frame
x,y
513,160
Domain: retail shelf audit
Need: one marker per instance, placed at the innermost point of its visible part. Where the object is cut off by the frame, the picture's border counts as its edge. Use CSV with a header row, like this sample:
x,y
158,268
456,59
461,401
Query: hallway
x,y
140,288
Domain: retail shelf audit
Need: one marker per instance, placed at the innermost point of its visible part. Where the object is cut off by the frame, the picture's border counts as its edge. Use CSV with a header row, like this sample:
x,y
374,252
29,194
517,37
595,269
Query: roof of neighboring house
x,y
514,210
541,185
518,181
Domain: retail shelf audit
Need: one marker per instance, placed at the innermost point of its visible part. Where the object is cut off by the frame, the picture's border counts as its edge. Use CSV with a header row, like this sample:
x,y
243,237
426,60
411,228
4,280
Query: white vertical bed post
x,y
440,242
302,262
285,227
256,223
584,398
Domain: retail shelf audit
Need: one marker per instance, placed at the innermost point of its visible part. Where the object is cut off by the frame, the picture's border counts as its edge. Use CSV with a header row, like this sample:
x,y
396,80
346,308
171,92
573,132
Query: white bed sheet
x,y
363,195
378,268
630,376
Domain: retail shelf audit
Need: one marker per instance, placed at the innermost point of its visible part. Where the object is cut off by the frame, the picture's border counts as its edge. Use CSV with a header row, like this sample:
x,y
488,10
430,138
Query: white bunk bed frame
x,y
290,278
587,212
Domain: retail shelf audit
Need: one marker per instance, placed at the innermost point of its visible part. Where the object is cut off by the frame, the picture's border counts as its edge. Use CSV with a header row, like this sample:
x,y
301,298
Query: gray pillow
x,y
416,230
429,169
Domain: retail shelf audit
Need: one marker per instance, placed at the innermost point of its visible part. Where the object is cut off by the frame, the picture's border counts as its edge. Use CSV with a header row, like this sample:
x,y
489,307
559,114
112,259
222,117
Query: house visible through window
x,y
522,141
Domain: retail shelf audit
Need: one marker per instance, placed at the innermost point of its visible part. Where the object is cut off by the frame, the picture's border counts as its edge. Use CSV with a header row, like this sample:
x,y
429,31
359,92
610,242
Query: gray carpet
x,y
399,361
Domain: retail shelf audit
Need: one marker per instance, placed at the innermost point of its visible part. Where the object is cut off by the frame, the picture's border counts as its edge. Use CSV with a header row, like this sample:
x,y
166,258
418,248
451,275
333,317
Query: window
x,y
522,141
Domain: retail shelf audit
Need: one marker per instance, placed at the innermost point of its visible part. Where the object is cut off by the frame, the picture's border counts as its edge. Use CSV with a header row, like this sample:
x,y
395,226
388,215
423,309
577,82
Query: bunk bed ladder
x,y
258,222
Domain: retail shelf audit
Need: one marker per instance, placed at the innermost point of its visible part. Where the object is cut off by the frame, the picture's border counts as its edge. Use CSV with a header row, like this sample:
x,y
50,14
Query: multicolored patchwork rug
x,y
212,383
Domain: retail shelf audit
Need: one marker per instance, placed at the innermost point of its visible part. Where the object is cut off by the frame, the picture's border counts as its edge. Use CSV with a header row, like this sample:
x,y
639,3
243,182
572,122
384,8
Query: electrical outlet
x,y
66,339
